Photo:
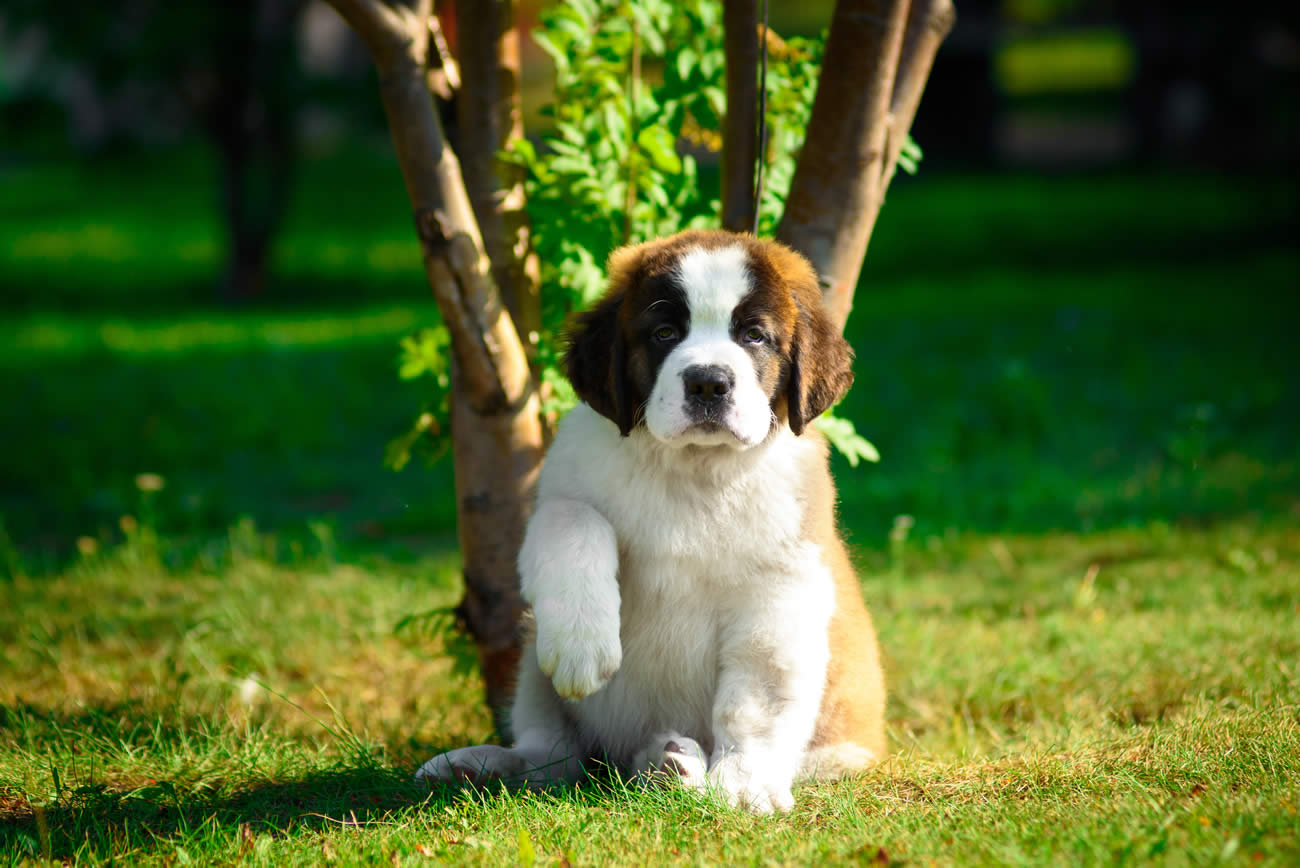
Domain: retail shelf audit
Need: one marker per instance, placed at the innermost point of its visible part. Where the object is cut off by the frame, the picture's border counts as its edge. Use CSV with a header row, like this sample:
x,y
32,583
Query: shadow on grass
x,y
111,815
104,817
96,821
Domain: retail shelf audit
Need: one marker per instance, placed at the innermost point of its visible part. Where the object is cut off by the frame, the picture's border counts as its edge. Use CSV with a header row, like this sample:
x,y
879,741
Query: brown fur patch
x,y
853,704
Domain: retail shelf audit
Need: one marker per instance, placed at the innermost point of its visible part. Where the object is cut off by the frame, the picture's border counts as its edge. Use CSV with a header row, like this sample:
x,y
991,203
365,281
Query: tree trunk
x,y
489,107
928,24
496,423
865,103
248,114
739,127
497,431
256,172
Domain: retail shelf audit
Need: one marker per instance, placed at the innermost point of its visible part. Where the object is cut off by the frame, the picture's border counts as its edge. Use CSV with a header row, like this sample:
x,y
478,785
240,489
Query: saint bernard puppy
x,y
696,614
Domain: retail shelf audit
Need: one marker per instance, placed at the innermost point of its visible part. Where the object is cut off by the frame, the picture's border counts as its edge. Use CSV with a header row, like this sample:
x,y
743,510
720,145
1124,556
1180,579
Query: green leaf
x,y
586,10
411,368
686,61
658,145
545,43
845,438
572,165
717,98
523,149
712,63
909,156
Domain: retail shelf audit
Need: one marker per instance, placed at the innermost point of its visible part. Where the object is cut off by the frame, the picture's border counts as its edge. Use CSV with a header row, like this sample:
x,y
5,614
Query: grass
x,y
1113,697
1084,392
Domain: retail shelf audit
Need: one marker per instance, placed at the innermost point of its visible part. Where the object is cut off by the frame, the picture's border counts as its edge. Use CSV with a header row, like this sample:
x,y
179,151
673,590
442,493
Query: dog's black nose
x,y
708,384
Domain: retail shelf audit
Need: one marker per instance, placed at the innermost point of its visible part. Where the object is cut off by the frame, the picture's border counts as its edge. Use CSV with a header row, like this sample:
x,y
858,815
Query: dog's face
x,y
709,338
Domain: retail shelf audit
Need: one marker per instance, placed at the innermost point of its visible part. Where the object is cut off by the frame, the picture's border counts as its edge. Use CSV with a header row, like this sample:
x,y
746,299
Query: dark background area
x,y
1080,314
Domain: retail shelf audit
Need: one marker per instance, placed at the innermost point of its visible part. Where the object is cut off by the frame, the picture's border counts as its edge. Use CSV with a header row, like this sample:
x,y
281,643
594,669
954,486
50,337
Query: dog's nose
x,y
708,384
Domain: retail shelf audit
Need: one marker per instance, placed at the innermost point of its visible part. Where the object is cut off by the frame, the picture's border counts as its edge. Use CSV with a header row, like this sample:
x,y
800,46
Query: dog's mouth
x,y
709,429
708,416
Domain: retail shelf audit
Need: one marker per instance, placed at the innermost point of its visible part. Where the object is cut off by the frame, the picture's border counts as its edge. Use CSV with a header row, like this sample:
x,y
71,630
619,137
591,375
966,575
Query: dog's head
x,y
709,338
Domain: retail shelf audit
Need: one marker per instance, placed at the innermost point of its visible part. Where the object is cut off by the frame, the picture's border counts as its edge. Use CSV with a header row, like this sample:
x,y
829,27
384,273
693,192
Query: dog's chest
x,y
669,674
692,556
719,526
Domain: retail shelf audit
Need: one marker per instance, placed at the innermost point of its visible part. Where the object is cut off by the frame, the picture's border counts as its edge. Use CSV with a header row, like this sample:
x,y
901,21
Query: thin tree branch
x,y
837,185
448,63
383,28
739,148
928,24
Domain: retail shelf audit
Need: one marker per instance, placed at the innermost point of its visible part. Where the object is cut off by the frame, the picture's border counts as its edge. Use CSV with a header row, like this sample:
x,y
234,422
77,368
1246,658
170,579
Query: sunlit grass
x,y
56,335
1058,698
1080,60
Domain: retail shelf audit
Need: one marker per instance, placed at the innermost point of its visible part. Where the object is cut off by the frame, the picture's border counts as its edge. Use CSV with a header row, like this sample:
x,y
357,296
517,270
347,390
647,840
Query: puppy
x,y
696,613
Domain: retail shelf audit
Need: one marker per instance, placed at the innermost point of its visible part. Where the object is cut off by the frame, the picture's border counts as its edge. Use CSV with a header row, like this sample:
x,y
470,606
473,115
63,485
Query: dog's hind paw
x,y
478,764
670,756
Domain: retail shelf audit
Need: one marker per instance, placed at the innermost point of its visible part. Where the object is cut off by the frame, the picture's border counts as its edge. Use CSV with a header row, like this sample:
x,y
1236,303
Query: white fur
x,y
722,641
574,594
715,281
682,618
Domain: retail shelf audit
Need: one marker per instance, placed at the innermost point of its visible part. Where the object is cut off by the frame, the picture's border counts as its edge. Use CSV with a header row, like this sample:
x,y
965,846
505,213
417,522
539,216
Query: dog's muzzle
x,y
708,390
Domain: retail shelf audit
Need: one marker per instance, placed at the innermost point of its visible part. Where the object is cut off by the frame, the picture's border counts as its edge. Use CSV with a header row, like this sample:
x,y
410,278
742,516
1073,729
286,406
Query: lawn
x,y
1084,391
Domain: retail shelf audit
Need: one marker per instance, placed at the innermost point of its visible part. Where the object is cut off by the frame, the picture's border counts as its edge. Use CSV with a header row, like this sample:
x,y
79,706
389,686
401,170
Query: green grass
x,y
1084,391
1127,696
1033,354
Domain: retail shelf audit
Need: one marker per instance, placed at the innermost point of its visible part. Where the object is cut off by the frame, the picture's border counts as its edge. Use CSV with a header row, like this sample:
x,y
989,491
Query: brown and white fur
x,y
696,613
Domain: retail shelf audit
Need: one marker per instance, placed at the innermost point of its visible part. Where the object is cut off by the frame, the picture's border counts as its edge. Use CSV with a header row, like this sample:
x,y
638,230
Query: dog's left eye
x,y
754,335
664,333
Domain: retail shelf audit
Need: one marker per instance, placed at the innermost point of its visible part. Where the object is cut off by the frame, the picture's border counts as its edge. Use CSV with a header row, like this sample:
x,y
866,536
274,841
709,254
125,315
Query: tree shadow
x,y
98,820
104,817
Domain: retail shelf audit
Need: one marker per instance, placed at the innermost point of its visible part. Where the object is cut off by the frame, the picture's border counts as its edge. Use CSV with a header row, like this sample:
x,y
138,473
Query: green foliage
x,y
792,72
610,173
844,437
444,625
909,156
424,355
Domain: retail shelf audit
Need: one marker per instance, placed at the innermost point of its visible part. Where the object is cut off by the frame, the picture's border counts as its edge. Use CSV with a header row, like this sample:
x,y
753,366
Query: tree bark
x,y
839,183
928,23
247,111
491,114
496,423
739,142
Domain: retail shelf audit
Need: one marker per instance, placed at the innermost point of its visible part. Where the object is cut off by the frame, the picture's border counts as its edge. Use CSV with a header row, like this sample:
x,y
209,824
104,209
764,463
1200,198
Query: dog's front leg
x,y
568,568
773,671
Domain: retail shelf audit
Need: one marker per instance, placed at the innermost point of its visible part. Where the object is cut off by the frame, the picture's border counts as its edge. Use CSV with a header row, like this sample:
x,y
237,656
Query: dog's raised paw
x,y
579,657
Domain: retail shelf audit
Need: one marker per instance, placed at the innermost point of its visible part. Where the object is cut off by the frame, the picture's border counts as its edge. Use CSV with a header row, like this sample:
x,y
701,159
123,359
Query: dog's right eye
x,y
664,333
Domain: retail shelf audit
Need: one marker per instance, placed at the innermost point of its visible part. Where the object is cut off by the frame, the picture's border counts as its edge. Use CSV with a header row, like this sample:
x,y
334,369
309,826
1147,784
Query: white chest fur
x,y
710,558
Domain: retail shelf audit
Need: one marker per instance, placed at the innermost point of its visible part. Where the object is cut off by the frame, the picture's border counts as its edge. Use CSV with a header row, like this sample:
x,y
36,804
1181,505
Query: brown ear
x,y
820,360
596,363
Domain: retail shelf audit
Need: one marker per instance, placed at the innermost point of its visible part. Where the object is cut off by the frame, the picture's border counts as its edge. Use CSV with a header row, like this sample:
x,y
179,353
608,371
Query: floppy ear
x,y
820,362
596,363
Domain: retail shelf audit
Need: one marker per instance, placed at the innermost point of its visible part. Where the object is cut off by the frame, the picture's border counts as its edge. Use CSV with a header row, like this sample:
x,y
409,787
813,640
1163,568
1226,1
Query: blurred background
x,y
1079,315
